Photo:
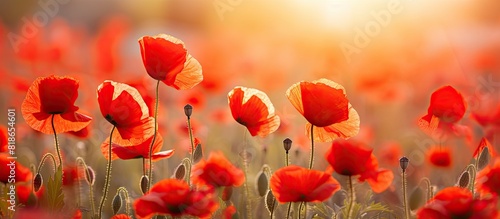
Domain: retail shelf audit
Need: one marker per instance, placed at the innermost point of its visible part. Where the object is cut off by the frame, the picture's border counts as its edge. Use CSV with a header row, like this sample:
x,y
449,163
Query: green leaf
x,y
55,195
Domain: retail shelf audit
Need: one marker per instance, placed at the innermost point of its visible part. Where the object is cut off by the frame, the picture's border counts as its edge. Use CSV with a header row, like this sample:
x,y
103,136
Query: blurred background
x,y
390,55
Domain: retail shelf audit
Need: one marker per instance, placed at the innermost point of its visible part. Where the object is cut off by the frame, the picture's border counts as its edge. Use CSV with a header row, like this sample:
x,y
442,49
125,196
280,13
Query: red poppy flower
x,y
174,197
70,175
83,133
3,139
123,106
352,158
121,216
253,109
22,173
229,212
325,106
166,59
137,151
456,202
298,184
489,179
447,107
53,96
439,156
217,171
24,190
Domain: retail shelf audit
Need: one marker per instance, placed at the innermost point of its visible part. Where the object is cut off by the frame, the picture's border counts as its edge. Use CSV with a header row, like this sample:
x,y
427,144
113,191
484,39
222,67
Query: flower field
x,y
250,109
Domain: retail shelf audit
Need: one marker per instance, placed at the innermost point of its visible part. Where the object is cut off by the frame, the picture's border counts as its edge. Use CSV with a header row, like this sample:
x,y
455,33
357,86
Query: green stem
x,y
108,173
150,175
351,198
311,159
405,199
42,162
57,142
289,209
191,137
473,171
287,162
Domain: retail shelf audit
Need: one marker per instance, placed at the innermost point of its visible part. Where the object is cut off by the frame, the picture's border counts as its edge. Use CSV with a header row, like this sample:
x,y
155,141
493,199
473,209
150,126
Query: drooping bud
x,y
403,163
270,201
287,144
463,180
90,176
416,199
144,184
180,172
37,182
188,110
484,159
198,153
262,183
117,203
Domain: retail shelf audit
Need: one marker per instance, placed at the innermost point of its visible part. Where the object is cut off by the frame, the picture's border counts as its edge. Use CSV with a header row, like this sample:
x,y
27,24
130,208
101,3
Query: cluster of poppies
x,y
202,187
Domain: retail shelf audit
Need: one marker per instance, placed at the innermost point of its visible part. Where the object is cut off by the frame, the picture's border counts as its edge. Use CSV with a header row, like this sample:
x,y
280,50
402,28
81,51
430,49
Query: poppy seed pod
x,y
188,110
403,163
287,144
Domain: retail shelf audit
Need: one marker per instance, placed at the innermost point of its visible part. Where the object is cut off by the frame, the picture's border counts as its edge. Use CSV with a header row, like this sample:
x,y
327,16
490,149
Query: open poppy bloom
x,y
447,107
439,156
217,171
137,151
123,106
353,158
23,174
121,216
3,139
53,96
488,179
456,202
174,197
297,184
166,59
253,109
229,212
325,106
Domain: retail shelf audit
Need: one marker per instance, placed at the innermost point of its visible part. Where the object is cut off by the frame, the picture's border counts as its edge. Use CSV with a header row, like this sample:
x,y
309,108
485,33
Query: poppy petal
x,y
344,129
253,109
381,180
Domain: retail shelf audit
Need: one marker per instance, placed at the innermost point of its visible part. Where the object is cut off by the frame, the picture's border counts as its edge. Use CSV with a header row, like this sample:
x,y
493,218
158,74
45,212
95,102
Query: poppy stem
x,y
289,209
428,186
405,199
351,198
43,162
57,142
108,173
287,162
473,171
191,137
150,174
81,161
311,159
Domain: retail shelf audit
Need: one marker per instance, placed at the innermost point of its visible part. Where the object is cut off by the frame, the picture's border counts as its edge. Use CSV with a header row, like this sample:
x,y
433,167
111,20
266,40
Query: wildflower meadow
x,y
247,109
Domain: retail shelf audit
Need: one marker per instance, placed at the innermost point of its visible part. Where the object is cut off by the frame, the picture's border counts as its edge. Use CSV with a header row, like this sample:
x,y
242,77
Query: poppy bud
x,y
37,182
403,163
262,183
180,172
144,184
90,175
463,180
197,154
270,201
287,144
227,193
116,204
484,159
416,198
188,110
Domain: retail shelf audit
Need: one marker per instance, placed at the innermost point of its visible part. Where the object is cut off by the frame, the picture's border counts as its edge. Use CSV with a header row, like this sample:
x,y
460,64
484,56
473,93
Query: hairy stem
x,y
108,174
190,137
311,159
150,175
289,209
351,198
405,199
57,142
